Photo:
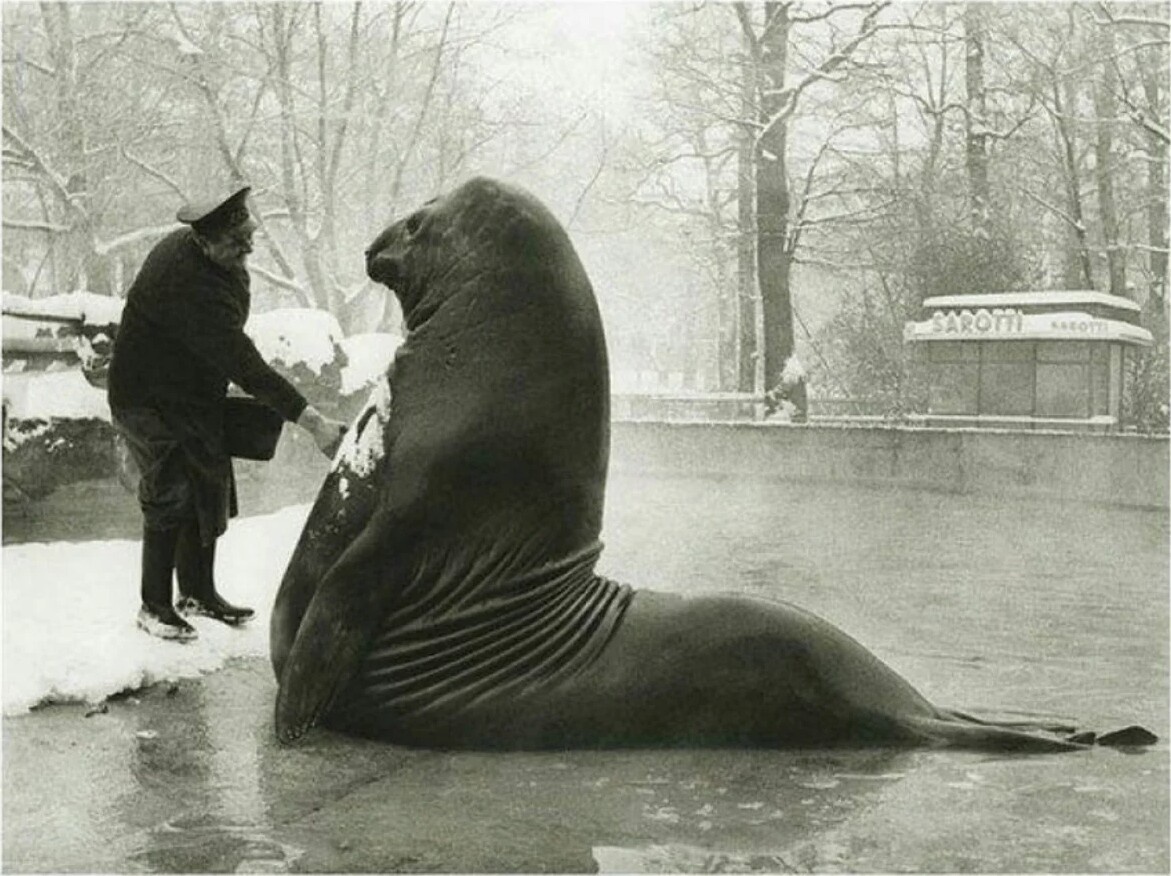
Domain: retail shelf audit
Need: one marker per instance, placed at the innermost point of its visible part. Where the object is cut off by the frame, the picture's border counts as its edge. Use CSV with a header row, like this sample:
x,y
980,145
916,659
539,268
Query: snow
x,y
368,357
85,306
362,448
295,335
69,608
793,372
1032,299
44,395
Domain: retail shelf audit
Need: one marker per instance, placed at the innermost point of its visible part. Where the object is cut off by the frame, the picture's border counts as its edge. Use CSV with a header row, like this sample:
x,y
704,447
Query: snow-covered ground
x,y
69,609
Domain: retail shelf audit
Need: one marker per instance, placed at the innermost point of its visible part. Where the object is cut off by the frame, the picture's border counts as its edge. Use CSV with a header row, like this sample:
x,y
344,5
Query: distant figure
x,y
180,341
789,400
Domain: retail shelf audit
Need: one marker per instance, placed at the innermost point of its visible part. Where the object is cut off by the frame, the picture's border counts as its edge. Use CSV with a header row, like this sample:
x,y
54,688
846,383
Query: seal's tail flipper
x,y
1133,735
1127,737
1036,724
961,731
981,736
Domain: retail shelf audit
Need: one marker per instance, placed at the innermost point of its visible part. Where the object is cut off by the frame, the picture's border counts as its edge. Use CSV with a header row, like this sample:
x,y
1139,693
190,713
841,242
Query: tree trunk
x,y
291,168
78,265
726,290
1078,271
1152,78
773,257
976,118
1106,110
747,290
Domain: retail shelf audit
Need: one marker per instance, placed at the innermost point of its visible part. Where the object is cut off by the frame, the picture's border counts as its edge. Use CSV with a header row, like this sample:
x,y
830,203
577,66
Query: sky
x,y
576,52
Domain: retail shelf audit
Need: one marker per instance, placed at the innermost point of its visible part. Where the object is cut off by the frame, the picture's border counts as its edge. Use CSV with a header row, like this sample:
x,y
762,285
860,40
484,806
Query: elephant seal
x,y
443,591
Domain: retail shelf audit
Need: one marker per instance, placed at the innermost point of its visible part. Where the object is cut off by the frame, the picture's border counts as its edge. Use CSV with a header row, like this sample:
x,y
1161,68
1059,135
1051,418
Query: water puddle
x,y
674,858
202,844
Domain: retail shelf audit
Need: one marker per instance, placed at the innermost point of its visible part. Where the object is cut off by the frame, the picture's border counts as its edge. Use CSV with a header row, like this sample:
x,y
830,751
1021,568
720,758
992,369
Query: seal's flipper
x,y
999,720
334,635
978,735
1134,735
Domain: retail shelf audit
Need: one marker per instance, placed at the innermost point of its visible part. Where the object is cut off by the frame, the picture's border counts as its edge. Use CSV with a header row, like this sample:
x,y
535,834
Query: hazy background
x,y
859,146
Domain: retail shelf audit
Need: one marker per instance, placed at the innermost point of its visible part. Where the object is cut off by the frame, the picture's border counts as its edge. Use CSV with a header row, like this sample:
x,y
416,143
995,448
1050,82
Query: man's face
x,y
230,247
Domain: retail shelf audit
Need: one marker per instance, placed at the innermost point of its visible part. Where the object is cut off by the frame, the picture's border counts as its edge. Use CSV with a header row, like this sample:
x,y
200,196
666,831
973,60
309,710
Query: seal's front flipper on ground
x,y
334,635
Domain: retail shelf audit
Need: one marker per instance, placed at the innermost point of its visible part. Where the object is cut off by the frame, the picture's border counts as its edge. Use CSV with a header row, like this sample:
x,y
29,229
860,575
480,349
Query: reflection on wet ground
x,y
1055,610
190,779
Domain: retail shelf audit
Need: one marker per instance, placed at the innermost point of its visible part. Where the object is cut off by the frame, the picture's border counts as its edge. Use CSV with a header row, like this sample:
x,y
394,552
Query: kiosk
x,y
1033,360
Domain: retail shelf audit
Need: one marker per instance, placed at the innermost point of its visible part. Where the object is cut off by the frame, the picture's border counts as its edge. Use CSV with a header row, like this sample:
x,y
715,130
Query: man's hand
x,y
327,433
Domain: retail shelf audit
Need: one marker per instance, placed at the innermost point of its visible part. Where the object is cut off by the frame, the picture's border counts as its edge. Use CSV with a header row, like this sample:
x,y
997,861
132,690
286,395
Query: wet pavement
x,y
1059,611
188,777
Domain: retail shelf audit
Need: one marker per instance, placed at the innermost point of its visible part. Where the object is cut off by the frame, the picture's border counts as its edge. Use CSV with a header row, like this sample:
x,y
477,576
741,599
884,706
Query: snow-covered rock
x,y
50,395
304,346
294,336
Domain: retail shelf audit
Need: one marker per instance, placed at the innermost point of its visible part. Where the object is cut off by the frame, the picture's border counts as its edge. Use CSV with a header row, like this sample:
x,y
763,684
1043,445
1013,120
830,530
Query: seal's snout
x,y
381,266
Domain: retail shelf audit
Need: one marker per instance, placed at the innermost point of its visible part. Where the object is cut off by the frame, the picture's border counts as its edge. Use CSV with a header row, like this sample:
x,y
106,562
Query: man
x,y
180,341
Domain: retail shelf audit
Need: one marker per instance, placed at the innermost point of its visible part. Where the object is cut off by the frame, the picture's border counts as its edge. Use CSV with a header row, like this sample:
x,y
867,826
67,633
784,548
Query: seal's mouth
x,y
383,268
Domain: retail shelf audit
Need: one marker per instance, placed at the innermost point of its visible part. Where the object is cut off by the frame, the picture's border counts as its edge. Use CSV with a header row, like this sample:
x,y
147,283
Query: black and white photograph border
x,y
713,437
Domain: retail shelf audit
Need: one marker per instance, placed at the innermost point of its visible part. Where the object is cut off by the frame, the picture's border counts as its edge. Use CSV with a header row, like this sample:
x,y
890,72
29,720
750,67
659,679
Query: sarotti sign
x,y
1012,324
998,320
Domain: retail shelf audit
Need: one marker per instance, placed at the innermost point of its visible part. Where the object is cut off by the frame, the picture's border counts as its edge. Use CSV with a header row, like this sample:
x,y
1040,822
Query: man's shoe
x,y
163,623
215,608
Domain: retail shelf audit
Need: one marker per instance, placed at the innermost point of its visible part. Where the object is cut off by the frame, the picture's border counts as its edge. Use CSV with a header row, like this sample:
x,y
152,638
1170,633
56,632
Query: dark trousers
x,y
184,472
176,551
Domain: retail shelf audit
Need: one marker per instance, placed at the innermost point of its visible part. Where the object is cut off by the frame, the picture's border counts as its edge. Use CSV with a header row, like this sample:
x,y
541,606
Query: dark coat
x,y
181,340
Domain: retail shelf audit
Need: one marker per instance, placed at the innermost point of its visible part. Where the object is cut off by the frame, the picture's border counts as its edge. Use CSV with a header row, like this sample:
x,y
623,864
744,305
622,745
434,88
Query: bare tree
x,y
1105,110
777,99
976,117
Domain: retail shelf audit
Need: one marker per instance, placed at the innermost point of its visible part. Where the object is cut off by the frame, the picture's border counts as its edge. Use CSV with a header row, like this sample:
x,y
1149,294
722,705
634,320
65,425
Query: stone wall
x,y
1127,470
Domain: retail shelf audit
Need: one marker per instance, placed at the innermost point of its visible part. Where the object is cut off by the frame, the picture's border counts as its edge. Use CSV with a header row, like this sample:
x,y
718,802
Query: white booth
x,y
1025,359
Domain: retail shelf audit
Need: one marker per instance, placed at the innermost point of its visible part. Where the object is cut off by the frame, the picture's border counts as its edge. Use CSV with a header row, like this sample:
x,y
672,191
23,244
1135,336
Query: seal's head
x,y
504,367
483,234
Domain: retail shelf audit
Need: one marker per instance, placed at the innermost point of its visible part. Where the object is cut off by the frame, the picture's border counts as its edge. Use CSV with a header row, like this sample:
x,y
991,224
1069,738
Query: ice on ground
x,y
68,611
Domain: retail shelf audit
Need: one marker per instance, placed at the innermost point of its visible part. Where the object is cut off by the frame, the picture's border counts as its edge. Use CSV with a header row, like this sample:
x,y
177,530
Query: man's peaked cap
x,y
211,216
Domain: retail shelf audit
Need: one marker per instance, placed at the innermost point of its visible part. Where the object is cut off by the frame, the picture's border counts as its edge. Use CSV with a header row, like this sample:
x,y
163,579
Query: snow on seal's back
x,y
362,447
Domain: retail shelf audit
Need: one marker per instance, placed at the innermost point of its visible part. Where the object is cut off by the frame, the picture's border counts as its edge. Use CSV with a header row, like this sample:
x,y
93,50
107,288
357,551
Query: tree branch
x,y
1056,211
152,171
1109,18
33,225
824,70
282,282
133,237
41,165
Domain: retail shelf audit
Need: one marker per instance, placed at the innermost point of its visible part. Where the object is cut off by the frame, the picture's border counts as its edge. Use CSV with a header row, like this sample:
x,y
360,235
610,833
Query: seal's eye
x,y
414,221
